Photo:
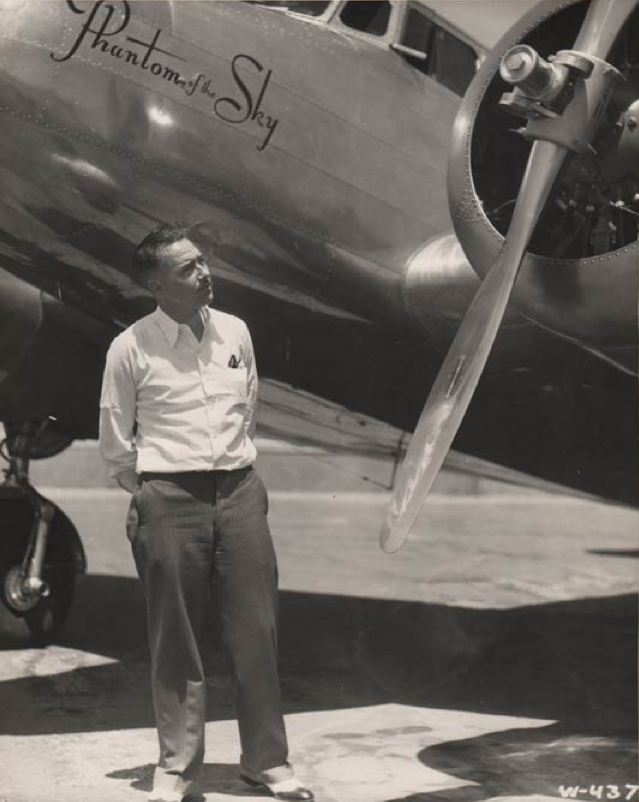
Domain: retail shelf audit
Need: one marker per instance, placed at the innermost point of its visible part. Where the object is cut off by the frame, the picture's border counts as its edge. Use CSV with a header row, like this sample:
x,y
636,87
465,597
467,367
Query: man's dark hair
x,y
145,258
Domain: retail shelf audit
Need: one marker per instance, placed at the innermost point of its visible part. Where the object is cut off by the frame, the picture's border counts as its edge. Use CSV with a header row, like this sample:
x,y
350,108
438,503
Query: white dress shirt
x,y
171,404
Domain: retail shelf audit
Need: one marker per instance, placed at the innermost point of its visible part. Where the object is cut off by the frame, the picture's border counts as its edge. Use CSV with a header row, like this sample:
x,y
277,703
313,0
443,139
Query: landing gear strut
x,y
40,551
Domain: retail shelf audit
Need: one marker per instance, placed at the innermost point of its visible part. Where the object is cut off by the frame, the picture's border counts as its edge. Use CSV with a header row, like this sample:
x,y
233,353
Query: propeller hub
x,y
537,78
517,63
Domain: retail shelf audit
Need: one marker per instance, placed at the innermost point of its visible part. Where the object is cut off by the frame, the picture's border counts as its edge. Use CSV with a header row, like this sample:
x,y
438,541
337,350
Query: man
x,y
177,417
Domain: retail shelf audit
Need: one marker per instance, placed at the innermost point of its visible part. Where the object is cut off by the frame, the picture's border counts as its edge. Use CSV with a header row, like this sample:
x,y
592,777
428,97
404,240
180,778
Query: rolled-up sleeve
x,y
117,415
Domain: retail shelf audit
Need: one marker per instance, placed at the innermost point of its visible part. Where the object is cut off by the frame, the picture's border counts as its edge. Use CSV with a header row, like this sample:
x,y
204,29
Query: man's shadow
x,y
218,778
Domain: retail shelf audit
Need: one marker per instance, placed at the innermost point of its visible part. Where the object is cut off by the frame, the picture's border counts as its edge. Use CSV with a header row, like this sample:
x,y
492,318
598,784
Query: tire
x,y
42,621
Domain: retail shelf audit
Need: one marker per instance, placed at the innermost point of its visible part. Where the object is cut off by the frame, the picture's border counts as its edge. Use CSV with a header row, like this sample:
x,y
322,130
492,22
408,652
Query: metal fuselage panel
x,y
310,163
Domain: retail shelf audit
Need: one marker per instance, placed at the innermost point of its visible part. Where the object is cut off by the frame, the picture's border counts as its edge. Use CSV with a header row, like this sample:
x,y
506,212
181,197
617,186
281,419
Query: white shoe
x,y
290,790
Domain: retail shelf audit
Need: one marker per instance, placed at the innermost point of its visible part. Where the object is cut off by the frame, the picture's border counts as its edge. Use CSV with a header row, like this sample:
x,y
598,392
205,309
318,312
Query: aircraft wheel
x,y
35,618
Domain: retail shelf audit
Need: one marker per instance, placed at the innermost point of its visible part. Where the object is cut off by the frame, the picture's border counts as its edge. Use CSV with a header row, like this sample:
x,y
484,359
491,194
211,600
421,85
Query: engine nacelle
x,y
51,361
579,278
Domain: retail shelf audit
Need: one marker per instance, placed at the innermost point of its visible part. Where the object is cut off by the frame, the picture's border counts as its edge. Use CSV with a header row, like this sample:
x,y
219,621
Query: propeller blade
x,y
603,22
460,373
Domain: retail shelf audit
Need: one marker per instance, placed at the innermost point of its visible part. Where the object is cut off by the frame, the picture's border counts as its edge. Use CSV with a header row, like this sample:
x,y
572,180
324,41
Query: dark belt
x,y
148,476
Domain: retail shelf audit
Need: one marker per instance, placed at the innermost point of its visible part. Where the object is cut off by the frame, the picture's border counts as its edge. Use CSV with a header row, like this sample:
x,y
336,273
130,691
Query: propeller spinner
x,y
565,104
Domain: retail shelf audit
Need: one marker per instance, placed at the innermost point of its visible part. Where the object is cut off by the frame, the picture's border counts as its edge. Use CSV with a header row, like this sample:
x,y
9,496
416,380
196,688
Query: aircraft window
x,y
369,16
417,31
454,62
438,53
313,8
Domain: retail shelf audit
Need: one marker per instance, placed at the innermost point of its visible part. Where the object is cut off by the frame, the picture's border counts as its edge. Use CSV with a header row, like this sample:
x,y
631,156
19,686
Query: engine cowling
x,y
51,365
579,277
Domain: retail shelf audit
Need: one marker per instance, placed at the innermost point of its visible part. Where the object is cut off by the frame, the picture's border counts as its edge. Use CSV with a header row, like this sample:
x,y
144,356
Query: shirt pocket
x,y
226,382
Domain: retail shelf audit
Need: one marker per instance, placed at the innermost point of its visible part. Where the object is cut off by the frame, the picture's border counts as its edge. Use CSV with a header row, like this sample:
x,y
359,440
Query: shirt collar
x,y
171,328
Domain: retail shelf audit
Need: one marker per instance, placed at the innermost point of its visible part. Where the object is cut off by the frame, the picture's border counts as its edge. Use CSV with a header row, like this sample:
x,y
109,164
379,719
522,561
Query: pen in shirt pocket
x,y
234,362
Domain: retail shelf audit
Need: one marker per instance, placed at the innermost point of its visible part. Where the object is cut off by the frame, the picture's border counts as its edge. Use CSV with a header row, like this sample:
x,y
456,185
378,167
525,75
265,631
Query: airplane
x,y
356,172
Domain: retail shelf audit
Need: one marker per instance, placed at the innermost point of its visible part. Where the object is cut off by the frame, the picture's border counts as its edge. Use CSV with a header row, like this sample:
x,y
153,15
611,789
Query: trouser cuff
x,y
170,786
270,776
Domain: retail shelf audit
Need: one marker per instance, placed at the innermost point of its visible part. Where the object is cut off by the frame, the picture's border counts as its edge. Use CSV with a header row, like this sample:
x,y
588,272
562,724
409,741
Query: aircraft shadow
x,y
531,762
570,662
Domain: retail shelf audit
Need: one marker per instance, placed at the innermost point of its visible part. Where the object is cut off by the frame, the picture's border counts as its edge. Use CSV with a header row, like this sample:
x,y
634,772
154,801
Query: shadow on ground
x,y
570,662
218,778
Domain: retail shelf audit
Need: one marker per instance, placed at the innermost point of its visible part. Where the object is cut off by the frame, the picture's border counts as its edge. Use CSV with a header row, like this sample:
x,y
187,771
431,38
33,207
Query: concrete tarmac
x,y
493,657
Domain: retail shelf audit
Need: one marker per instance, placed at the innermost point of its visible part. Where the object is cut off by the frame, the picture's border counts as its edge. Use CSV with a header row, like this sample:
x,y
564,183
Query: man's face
x,y
182,278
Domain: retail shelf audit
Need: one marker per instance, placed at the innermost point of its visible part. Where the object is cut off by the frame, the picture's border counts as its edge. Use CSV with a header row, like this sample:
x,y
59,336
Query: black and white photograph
x,y
318,400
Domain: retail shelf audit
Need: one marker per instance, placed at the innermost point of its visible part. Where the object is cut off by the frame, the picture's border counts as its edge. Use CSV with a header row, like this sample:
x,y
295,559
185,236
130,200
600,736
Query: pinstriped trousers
x,y
201,538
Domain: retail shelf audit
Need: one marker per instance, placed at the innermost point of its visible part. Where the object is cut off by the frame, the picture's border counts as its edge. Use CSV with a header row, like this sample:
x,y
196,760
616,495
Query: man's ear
x,y
153,284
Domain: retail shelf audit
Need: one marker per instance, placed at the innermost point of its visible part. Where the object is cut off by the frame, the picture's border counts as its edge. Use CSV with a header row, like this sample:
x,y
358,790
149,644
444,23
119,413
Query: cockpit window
x,y
312,8
438,53
368,16
454,62
418,30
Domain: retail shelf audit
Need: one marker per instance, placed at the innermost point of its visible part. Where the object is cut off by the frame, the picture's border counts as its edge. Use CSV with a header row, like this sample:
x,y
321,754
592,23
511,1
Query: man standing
x,y
177,417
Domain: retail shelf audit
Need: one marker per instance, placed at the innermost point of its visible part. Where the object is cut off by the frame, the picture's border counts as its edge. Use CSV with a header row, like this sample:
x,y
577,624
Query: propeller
x,y
463,366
